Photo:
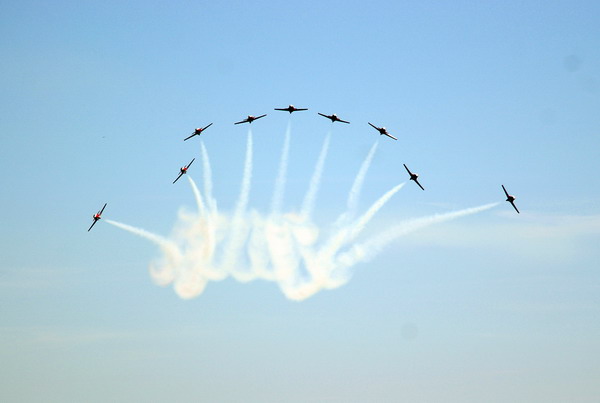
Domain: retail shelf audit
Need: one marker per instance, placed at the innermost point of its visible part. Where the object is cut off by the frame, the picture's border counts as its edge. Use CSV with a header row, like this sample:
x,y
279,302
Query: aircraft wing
x,y
389,135
206,127
513,204
301,109
176,179
325,116
373,126
94,223
417,182
281,109
188,165
343,121
261,116
101,211
189,137
241,121
408,170
505,192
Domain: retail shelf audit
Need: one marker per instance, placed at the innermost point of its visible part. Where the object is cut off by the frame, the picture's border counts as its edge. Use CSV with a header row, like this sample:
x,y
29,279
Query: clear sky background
x,y
97,97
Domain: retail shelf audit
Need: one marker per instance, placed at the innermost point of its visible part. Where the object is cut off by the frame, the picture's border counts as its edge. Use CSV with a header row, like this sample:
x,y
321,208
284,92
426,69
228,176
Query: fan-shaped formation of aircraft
x,y
291,108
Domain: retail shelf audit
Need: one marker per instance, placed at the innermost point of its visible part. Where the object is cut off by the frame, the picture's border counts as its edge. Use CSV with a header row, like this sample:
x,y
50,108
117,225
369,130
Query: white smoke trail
x,y
328,270
366,218
349,234
172,255
211,219
369,249
323,270
242,202
309,199
208,180
197,196
239,228
202,232
281,176
285,248
354,195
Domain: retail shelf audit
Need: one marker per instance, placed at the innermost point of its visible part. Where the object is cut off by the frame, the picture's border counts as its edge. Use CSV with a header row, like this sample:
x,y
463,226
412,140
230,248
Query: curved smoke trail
x,y
309,199
369,249
197,196
208,180
348,234
354,195
239,227
362,222
286,248
172,254
281,176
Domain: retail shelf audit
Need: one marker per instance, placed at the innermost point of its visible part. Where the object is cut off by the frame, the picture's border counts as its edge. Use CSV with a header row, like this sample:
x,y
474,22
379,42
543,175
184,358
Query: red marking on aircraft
x,y
183,170
97,216
197,132
250,119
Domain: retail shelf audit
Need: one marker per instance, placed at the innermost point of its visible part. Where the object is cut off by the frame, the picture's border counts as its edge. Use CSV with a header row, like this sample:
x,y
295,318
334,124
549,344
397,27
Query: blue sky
x,y
97,98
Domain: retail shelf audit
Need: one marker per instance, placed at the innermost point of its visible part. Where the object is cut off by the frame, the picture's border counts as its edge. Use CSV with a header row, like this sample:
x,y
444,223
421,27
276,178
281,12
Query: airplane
x,y
413,177
333,118
197,132
250,119
291,109
96,217
183,170
510,199
382,130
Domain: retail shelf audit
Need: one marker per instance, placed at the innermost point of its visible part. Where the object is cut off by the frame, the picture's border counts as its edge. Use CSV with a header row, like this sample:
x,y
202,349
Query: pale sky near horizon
x,y
496,306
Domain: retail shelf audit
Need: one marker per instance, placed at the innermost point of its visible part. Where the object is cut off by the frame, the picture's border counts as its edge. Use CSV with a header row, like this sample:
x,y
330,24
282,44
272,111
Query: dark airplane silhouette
x,y
96,217
382,131
183,170
333,118
197,132
290,109
413,177
250,119
510,199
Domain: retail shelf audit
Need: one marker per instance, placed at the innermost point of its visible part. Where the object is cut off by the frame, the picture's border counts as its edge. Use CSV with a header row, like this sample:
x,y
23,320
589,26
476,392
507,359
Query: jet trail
x,y
354,195
157,239
366,218
347,234
315,181
287,248
210,201
246,180
367,250
281,176
197,196
237,236
173,257
212,216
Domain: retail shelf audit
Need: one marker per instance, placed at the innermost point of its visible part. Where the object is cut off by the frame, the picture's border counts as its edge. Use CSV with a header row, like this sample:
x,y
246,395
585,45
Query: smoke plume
x,y
287,248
